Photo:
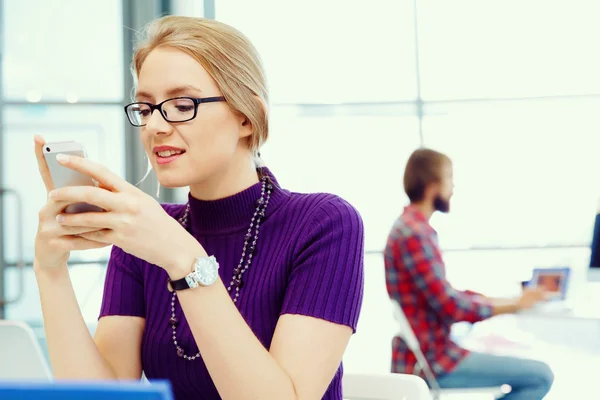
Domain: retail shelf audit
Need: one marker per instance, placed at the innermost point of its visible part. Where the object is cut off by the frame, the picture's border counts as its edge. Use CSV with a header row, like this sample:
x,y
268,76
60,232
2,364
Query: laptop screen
x,y
23,390
553,280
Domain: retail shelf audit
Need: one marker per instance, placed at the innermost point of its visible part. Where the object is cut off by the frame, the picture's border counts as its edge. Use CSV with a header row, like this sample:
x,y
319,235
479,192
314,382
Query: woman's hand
x,y
54,242
133,220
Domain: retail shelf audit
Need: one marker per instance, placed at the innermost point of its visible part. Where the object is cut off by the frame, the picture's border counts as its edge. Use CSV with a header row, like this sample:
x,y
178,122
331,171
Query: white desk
x,y
577,327
583,301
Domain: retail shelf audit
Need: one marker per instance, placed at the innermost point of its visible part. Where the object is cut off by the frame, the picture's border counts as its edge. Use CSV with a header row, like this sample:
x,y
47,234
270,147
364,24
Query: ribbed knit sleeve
x,y
327,277
123,287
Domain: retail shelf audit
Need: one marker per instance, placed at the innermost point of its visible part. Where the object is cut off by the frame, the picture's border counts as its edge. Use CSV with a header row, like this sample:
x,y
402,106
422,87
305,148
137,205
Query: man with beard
x,y
416,279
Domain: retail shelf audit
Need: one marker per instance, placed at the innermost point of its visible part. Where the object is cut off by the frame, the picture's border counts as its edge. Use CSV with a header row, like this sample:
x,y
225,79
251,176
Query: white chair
x,y
384,387
21,356
408,336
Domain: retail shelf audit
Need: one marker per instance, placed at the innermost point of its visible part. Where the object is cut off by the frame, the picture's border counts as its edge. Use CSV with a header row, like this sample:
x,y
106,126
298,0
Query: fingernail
x,y
60,218
62,157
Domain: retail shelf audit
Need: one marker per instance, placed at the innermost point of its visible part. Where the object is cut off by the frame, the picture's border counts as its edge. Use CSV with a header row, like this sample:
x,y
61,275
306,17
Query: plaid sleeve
x,y
472,293
422,260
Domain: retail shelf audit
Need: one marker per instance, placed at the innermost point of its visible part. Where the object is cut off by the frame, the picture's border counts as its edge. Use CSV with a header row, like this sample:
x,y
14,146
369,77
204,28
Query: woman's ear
x,y
247,128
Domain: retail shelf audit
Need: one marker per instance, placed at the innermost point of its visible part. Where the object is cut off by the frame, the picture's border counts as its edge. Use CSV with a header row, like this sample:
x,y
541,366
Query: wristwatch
x,y
204,273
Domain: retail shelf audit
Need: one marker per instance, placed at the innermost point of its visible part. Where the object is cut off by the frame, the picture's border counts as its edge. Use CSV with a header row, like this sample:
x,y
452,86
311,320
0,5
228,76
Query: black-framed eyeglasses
x,y
178,109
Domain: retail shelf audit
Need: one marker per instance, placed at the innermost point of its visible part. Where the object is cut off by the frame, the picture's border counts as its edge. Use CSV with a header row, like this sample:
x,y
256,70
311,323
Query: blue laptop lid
x,y
97,390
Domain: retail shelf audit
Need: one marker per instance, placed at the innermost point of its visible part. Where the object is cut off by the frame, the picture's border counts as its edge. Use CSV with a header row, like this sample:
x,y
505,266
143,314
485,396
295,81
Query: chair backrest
x,y
21,355
408,335
405,330
384,387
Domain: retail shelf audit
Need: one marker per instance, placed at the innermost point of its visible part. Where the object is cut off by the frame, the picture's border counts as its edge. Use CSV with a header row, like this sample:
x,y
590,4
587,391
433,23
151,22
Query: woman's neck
x,y
237,177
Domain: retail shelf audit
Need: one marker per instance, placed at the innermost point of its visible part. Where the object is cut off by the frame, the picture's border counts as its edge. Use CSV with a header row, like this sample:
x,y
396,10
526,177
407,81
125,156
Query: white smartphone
x,y
63,176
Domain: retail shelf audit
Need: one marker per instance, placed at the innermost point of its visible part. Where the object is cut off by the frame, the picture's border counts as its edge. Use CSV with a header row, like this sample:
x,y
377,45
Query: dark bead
x,y
237,281
261,213
173,321
260,201
236,271
252,249
248,236
270,187
179,352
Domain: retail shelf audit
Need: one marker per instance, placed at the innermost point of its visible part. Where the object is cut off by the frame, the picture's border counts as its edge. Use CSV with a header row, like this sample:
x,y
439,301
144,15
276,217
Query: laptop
x,y
105,390
555,281
21,356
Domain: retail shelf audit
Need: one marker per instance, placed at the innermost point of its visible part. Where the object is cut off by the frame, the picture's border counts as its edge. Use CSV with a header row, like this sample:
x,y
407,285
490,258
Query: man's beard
x,y
440,204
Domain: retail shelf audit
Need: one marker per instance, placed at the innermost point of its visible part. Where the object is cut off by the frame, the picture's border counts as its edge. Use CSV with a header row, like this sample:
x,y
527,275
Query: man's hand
x,y
530,297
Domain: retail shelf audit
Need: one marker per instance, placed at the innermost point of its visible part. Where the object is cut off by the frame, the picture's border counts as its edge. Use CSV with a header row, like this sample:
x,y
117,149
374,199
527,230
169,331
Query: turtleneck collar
x,y
234,212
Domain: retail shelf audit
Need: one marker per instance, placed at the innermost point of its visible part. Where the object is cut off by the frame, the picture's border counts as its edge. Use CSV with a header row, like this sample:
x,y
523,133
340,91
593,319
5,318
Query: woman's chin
x,y
171,182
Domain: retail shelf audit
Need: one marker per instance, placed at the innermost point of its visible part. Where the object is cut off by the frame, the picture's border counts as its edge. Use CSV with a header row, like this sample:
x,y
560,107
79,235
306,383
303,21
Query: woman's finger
x,y
105,177
62,230
80,243
41,161
90,220
52,208
96,196
102,236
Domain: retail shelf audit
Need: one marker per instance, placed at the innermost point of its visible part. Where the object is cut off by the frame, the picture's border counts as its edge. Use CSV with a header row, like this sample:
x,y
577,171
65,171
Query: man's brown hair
x,y
423,168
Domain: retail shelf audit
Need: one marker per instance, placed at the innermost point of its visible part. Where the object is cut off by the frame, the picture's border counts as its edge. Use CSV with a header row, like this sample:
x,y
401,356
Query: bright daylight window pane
x,y
88,282
508,48
99,129
359,156
330,51
526,173
63,50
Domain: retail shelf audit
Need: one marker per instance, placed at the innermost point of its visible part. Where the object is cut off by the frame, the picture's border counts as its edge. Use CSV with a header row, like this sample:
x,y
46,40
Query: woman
x,y
248,290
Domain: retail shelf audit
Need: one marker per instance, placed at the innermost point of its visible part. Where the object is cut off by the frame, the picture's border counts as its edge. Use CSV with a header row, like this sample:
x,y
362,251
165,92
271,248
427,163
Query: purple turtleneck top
x,y
308,261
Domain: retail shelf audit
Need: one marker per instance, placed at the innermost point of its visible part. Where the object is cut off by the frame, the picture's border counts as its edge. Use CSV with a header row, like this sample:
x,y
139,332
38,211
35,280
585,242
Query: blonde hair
x,y
228,57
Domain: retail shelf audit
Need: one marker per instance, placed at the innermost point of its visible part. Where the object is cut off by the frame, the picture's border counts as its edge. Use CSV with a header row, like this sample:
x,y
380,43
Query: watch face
x,y
207,270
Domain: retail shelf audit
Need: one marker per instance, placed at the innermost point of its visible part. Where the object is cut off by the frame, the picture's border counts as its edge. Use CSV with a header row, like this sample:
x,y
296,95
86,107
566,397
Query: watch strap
x,y
179,284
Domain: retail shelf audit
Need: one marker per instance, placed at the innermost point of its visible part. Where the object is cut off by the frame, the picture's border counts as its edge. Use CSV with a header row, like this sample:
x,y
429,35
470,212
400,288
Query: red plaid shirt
x,y
416,279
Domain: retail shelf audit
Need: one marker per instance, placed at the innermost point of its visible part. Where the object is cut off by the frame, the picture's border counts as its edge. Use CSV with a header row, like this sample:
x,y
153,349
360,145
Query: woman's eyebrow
x,y
176,91
182,89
